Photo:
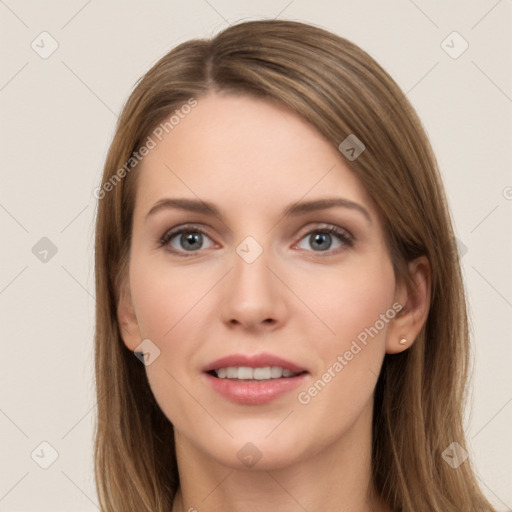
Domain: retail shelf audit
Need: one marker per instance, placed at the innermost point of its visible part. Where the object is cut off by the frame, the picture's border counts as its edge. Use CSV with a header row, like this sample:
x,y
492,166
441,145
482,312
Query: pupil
x,y
322,238
191,239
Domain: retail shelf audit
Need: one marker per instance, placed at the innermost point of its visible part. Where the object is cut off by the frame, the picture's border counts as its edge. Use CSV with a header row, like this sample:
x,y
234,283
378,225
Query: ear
x,y
414,296
127,319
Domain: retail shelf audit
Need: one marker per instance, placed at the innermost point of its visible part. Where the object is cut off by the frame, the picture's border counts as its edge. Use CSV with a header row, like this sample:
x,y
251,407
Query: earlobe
x,y
414,296
127,319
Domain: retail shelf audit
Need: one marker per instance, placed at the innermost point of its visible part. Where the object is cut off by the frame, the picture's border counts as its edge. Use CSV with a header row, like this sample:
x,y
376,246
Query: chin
x,y
259,451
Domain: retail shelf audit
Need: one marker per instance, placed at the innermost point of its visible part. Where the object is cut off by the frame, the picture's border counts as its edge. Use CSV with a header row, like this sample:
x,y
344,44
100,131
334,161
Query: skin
x,y
302,301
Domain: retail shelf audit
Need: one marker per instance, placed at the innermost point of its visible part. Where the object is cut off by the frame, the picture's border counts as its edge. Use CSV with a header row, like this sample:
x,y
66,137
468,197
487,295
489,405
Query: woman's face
x,y
309,291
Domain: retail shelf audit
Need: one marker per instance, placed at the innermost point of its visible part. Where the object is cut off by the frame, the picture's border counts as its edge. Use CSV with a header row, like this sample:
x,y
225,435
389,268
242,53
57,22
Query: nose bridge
x,y
251,273
253,293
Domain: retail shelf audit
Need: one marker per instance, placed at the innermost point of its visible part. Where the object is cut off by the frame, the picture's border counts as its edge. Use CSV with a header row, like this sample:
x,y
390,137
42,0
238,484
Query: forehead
x,y
248,151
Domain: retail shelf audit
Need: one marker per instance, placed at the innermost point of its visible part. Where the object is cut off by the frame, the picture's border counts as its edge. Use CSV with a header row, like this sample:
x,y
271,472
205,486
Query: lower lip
x,y
253,392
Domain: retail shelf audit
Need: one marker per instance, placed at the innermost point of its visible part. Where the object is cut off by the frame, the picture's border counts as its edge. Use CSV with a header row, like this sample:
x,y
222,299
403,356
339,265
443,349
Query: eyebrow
x,y
294,209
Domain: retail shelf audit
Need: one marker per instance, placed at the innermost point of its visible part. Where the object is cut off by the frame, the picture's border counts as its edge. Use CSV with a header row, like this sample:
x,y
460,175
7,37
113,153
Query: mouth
x,y
253,374
253,380
253,367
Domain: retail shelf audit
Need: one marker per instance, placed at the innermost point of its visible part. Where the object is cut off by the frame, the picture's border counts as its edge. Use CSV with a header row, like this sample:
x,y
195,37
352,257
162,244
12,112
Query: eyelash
x,y
345,237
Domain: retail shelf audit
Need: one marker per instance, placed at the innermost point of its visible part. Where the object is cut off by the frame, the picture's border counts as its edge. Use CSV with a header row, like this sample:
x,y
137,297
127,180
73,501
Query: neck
x,y
337,479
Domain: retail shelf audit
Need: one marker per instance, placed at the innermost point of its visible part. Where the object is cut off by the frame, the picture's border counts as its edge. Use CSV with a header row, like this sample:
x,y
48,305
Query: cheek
x,y
169,304
358,308
352,300
164,296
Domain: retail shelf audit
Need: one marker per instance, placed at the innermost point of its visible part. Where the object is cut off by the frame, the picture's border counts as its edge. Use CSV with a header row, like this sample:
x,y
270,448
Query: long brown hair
x,y
342,91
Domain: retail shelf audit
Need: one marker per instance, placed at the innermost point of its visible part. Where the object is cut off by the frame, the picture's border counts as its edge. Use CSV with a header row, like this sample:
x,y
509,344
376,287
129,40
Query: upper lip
x,y
253,361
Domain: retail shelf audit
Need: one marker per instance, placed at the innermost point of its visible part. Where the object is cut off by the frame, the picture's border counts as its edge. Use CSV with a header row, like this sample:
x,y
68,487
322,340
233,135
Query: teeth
x,y
231,373
276,372
247,373
244,372
262,373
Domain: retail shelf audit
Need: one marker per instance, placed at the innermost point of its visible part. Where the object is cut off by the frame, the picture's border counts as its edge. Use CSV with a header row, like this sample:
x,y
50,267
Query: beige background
x,y
57,119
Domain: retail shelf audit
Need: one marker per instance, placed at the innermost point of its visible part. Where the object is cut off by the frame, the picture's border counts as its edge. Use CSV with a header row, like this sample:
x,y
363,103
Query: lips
x,y
253,391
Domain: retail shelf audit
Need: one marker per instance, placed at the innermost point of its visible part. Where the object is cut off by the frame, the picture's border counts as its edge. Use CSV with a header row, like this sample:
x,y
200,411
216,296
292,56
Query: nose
x,y
252,295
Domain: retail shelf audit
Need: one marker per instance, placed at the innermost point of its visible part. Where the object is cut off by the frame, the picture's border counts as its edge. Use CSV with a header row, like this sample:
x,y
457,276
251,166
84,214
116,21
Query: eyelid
x,y
184,227
326,226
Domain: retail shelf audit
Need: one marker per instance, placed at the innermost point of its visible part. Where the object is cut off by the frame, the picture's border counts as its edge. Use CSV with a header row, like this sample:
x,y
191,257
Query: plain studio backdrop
x,y
67,68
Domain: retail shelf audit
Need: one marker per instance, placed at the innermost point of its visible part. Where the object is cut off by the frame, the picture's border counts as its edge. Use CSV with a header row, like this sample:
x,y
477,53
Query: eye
x,y
322,239
185,239
191,239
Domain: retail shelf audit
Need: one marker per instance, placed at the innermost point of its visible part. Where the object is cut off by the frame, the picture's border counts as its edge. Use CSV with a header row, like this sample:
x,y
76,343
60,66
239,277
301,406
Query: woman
x,y
274,245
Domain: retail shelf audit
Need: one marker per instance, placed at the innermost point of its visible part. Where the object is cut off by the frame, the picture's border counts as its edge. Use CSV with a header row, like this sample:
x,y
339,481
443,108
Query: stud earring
x,y
403,340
